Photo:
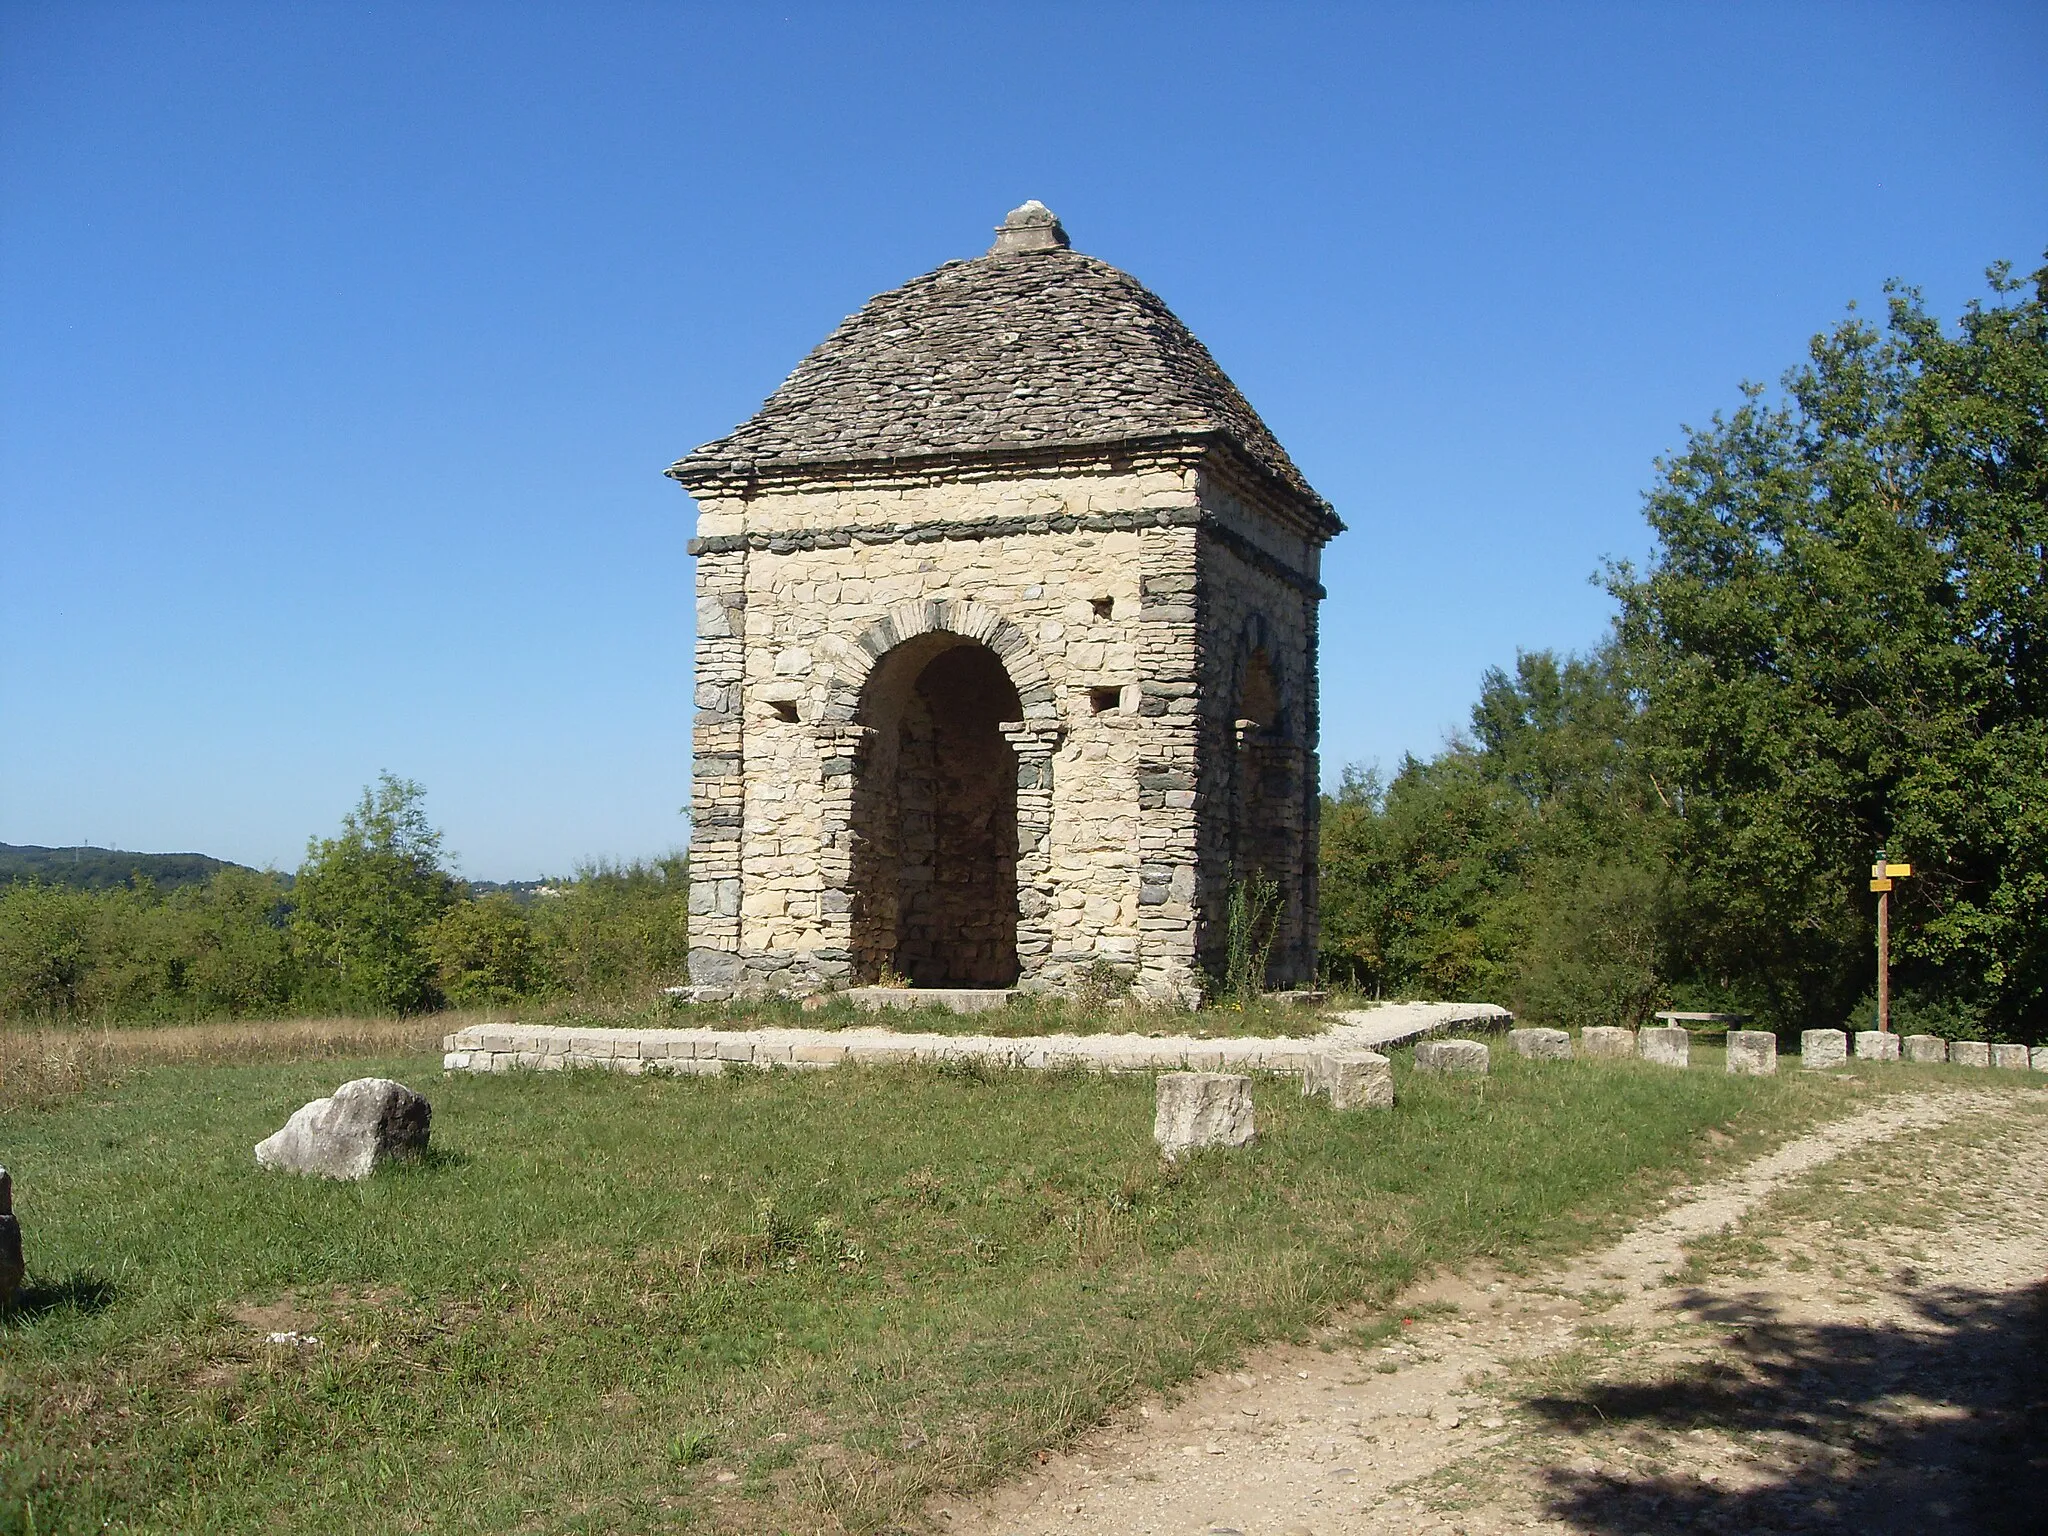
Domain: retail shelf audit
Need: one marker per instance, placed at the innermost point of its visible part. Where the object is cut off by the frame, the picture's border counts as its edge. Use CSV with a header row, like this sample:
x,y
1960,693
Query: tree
x,y
484,953
366,899
1841,640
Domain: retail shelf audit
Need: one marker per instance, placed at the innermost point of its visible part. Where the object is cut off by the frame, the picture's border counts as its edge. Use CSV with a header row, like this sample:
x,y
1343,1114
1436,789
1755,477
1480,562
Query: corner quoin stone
x,y
1606,1042
1470,1056
1202,1109
1752,1053
1924,1048
1823,1049
1670,1046
366,1122
1541,1044
1351,1079
1876,1045
1969,1053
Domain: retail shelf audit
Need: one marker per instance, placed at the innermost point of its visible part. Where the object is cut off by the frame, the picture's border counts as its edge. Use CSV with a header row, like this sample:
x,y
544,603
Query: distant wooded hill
x,y
102,869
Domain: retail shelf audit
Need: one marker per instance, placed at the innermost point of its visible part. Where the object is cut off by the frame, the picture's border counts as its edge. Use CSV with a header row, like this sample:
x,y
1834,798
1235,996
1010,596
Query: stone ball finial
x,y
1033,227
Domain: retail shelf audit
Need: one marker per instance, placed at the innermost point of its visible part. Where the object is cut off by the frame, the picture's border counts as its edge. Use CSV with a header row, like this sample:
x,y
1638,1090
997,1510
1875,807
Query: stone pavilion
x,y
1006,649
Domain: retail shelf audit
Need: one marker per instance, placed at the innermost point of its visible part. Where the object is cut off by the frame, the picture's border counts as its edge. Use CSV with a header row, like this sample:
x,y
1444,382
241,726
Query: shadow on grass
x,y
80,1292
1868,1428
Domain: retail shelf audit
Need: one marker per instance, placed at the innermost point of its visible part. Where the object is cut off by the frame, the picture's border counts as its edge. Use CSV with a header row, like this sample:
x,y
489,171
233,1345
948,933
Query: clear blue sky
x,y
342,346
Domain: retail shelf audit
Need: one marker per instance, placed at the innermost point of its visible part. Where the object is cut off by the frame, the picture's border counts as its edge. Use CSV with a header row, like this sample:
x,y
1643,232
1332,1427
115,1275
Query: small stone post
x,y
2011,1057
1752,1053
1925,1048
12,1269
1876,1045
1823,1049
1202,1109
1467,1056
1541,1044
1606,1041
1969,1053
1670,1046
1351,1079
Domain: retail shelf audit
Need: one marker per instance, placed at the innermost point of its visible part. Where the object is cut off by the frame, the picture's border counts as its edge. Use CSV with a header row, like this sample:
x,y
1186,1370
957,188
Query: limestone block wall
x,y
1081,583
1260,723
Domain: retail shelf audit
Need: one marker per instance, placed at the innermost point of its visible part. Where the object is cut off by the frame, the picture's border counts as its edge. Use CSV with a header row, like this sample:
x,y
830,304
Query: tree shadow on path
x,y
1862,1428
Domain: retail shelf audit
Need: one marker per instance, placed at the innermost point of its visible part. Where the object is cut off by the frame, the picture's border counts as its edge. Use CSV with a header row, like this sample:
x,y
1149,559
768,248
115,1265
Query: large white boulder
x,y
366,1122
1202,1109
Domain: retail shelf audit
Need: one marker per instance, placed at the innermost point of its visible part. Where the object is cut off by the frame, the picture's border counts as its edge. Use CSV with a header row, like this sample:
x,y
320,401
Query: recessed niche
x,y
1104,607
783,709
1103,700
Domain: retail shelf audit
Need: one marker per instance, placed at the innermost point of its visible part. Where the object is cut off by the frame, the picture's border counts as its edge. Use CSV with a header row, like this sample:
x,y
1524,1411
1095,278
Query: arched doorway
x,y
935,818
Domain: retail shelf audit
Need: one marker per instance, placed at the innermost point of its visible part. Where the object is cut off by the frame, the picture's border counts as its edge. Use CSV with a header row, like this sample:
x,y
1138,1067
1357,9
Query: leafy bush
x,y
485,953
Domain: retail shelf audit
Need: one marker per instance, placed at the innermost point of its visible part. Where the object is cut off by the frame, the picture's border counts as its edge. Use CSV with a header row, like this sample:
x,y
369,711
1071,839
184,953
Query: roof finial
x,y
1034,227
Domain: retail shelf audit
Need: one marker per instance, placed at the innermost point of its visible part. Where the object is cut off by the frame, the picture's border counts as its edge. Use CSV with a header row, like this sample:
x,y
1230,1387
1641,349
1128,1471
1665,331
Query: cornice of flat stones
x,y
1207,523
746,479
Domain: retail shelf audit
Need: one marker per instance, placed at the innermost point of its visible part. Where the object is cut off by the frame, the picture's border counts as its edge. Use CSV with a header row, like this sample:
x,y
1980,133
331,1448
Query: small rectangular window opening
x,y
1104,606
1103,700
784,709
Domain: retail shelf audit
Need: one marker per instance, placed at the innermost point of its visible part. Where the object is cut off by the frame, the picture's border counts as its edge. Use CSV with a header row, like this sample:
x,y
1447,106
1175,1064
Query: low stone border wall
x,y
504,1047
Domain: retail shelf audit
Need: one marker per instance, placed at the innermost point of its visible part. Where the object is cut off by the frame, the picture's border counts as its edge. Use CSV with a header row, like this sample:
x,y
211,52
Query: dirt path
x,y
1847,1335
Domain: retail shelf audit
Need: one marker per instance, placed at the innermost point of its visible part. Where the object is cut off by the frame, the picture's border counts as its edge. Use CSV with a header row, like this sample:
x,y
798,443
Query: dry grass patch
x,y
40,1066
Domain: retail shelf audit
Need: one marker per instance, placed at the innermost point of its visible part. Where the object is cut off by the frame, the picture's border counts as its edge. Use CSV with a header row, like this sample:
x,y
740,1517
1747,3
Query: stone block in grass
x,y
1541,1044
1468,1056
12,1268
1876,1045
1668,1046
1607,1041
1969,1053
1752,1052
1924,1048
1350,1079
1821,1049
1202,1109
2010,1057
2039,1057
348,1134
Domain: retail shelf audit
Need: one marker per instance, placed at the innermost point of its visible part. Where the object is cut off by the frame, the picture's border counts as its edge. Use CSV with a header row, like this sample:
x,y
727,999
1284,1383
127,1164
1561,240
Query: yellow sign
x,y
1882,870
1880,885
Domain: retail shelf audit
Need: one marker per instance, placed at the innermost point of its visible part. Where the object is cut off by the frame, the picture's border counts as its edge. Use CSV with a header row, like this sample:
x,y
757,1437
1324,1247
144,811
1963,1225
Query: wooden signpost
x,y
1882,874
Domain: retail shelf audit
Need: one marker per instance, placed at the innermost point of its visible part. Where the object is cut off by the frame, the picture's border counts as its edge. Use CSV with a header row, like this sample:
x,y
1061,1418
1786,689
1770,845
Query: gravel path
x,y
1846,1335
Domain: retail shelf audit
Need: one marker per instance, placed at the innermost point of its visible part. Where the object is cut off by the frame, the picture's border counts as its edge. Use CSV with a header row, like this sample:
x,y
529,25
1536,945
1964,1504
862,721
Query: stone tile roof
x,y
1031,347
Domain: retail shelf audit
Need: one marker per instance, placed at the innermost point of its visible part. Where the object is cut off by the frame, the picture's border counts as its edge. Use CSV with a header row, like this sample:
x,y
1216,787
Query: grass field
x,y
752,1303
